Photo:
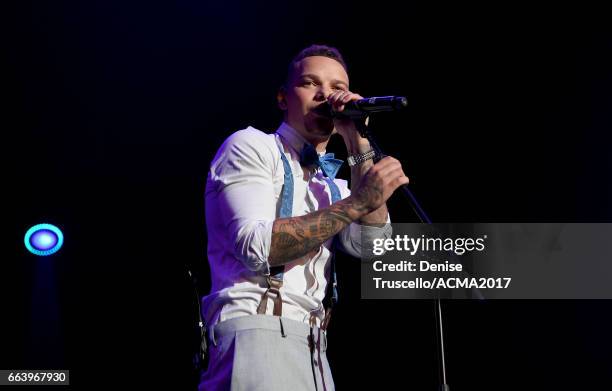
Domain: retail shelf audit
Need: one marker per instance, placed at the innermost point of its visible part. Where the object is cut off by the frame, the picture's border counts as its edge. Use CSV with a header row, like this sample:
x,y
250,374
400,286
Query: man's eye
x,y
308,83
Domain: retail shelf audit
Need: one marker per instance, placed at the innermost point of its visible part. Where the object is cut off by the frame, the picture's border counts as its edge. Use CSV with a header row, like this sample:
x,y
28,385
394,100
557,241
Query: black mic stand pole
x,y
364,131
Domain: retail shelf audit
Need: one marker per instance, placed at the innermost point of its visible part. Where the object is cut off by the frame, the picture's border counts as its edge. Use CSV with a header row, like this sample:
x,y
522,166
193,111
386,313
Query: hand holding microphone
x,y
345,104
347,109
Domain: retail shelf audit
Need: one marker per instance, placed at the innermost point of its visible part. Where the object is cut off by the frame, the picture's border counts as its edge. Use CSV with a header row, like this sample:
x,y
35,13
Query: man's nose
x,y
322,94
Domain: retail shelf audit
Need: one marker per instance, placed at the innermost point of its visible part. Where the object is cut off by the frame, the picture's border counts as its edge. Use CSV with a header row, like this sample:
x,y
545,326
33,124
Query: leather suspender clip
x,y
274,285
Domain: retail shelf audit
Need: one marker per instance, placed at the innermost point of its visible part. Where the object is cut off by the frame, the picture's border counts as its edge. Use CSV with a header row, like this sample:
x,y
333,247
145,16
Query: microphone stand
x,y
364,131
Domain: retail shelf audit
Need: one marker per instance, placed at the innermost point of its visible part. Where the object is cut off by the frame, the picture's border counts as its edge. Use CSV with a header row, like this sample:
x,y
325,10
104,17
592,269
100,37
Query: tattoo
x,y
368,195
372,193
294,237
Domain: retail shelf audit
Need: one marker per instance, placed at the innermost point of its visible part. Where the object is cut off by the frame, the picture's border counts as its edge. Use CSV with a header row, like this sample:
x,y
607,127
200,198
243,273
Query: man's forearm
x,y
294,237
357,145
377,217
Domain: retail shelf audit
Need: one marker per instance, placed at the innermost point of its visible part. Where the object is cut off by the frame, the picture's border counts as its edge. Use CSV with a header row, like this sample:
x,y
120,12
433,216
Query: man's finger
x,y
392,173
385,162
397,182
350,97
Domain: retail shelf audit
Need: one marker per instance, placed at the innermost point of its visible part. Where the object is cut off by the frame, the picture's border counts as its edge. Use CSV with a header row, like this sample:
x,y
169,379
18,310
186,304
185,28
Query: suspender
x,y
331,295
275,279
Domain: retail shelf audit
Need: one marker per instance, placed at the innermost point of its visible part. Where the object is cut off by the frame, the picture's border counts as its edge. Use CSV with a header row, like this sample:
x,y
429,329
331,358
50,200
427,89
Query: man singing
x,y
275,214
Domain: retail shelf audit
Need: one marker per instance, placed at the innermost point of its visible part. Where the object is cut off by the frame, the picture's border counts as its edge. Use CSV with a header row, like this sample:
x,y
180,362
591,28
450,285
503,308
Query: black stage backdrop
x,y
114,109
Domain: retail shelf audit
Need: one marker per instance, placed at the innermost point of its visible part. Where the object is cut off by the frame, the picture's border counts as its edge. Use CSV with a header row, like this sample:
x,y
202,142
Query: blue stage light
x,y
43,239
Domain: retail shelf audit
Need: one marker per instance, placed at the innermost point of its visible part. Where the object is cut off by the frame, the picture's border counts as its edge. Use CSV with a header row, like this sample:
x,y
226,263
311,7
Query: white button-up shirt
x,y
243,197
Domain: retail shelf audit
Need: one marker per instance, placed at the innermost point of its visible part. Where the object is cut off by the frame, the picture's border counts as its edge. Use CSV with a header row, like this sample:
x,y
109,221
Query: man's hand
x,y
371,184
378,183
345,127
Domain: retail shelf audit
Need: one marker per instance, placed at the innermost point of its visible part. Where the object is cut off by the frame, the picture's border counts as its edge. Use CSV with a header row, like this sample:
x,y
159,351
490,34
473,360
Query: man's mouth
x,y
323,110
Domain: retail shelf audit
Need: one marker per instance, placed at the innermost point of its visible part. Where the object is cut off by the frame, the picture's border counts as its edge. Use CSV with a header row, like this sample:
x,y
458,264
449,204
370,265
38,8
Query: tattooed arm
x,y
294,237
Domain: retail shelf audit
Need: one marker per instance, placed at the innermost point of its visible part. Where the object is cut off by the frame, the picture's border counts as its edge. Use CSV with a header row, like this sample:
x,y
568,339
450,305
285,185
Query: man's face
x,y
311,82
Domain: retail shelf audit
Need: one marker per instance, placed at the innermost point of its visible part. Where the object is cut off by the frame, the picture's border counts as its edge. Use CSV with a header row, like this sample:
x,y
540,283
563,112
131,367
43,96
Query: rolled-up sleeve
x,y
356,238
241,184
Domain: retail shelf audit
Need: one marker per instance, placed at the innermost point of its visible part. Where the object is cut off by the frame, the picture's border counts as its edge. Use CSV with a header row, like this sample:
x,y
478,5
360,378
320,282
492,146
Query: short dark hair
x,y
315,50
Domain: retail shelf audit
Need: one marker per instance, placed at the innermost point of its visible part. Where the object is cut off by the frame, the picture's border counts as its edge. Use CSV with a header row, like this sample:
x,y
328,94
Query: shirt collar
x,y
293,138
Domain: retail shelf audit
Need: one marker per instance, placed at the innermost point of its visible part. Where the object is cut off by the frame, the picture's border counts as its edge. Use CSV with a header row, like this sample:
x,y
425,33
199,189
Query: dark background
x,y
113,111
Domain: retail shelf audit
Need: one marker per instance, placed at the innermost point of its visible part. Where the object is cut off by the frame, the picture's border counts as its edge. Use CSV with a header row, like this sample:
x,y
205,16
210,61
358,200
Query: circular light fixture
x,y
43,239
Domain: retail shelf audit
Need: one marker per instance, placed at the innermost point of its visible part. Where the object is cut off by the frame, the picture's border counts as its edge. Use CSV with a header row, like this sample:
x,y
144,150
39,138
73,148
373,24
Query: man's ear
x,y
281,98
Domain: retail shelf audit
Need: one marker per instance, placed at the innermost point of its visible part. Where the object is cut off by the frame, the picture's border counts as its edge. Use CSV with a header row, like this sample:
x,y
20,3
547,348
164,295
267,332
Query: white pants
x,y
267,353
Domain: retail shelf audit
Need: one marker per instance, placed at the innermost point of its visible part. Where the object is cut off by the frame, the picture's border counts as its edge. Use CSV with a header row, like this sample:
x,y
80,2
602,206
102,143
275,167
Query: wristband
x,y
353,160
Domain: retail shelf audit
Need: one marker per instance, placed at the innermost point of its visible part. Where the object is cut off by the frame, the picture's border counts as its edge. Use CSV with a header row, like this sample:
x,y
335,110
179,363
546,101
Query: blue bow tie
x,y
329,165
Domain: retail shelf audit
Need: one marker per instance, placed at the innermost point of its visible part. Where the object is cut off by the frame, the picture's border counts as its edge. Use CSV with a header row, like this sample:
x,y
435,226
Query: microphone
x,y
363,107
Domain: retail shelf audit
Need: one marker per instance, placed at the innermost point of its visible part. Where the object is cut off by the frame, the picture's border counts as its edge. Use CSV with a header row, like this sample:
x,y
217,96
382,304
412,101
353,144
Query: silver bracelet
x,y
361,157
